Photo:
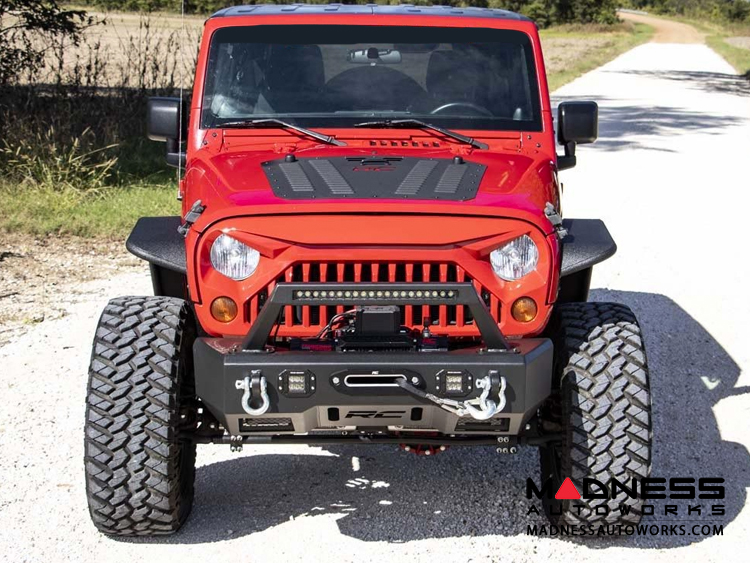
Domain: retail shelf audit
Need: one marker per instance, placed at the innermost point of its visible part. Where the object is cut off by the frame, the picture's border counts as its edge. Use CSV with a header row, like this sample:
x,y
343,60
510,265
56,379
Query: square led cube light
x,y
296,383
454,383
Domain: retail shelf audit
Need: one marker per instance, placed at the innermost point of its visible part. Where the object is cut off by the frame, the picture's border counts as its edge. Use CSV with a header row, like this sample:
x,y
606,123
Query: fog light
x,y
297,383
454,383
524,310
224,309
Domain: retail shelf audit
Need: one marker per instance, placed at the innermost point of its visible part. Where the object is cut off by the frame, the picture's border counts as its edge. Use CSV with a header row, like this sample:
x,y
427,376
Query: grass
x,y
738,57
41,196
717,34
112,214
716,38
571,51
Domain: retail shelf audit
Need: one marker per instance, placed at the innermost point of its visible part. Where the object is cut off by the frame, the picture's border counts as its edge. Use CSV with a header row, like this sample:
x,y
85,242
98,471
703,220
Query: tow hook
x,y
254,384
488,404
487,407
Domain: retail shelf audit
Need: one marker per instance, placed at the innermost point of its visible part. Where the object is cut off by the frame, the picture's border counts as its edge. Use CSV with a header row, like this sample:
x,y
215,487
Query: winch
x,y
371,328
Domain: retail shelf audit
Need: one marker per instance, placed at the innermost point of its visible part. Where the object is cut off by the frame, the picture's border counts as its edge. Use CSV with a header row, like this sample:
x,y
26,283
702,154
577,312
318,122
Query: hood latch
x,y
191,217
556,220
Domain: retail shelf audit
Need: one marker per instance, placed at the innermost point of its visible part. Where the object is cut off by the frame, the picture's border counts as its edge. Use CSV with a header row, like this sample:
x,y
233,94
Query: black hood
x,y
376,177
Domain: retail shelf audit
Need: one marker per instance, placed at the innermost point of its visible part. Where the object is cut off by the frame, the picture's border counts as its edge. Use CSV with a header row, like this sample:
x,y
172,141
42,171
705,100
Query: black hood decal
x,y
376,177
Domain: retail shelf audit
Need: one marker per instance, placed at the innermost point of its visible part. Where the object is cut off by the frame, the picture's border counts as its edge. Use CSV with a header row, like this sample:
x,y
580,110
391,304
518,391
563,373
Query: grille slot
x,y
304,320
266,425
491,425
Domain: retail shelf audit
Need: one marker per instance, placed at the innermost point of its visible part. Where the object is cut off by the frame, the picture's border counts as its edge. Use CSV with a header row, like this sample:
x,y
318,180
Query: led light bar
x,y
365,293
372,294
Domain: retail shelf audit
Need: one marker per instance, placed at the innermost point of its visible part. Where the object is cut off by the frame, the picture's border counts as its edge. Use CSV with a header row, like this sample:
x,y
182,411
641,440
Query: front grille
x,y
451,320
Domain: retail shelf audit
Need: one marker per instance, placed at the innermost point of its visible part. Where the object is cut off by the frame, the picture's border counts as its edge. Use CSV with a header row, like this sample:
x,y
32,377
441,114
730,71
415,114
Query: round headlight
x,y
234,259
515,259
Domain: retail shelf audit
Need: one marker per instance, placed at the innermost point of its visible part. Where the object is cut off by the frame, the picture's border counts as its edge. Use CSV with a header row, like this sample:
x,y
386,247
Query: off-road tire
x,y
139,473
602,405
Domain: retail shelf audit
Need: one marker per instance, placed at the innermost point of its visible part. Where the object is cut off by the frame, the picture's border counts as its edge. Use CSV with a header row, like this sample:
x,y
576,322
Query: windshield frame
x,y
312,33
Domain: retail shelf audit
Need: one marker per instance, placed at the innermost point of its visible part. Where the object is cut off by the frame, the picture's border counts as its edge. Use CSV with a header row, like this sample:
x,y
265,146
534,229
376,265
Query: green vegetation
x,y
41,211
599,45
719,19
28,26
738,57
717,35
701,10
544,12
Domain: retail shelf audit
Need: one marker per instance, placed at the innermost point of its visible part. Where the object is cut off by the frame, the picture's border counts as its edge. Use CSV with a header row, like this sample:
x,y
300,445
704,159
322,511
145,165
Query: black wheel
x,y
139,473
602,407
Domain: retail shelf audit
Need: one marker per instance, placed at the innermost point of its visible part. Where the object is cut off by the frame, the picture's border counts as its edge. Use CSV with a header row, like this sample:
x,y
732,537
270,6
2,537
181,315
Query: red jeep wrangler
x,y
371,251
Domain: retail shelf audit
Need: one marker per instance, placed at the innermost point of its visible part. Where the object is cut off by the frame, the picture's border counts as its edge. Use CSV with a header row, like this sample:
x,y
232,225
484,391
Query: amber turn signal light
x,y
224,309
524,310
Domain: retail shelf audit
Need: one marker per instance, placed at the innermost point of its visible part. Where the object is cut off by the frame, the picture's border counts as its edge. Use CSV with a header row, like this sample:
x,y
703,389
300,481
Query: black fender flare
x,y
156,240
587,243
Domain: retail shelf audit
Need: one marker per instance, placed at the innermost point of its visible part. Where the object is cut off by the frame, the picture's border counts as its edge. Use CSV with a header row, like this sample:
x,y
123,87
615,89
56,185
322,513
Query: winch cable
x,y
480,408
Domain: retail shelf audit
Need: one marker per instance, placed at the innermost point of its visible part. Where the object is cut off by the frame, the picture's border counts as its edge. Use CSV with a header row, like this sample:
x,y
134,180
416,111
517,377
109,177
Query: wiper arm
x,y
422,125
284,125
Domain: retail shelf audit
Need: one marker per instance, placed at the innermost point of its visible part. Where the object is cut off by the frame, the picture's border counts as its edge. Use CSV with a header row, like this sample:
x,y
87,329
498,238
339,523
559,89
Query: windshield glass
x,y
340,75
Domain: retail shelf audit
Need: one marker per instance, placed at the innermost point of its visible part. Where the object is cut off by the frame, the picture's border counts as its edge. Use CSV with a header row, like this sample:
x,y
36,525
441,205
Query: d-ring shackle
x,y
246,386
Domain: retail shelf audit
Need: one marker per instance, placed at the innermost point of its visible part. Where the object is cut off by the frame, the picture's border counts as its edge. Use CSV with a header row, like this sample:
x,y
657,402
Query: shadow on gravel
x,y
379,493
712,82
625,127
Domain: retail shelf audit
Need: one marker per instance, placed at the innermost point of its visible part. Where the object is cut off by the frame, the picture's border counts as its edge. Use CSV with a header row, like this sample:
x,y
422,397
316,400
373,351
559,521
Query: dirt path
x,y
667,31
41,278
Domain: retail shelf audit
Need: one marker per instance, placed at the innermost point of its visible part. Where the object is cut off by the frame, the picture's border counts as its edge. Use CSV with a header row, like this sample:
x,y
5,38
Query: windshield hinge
x,y
191,217
556,220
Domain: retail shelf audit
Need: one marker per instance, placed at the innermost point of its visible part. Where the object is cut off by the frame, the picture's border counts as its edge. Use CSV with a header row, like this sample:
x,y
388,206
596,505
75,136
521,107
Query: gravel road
x,y
668,176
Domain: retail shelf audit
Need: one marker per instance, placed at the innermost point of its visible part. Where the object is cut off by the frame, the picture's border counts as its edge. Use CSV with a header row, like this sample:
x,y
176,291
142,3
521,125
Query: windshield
x,y
340,75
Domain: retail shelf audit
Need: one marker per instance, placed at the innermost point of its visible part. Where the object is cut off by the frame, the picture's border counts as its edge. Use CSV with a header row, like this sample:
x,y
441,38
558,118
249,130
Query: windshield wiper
x,y
284,125
422,125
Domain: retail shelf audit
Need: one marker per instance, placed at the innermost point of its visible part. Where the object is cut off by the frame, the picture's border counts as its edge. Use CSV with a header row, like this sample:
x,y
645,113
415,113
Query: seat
x,y
376,88
294,78
453,76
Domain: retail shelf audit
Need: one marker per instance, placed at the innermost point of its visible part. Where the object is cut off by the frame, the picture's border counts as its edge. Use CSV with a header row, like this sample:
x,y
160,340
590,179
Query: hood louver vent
x,y
374,177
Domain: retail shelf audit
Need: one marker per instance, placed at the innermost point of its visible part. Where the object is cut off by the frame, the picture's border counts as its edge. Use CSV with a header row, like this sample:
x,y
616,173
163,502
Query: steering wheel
x,y
474,107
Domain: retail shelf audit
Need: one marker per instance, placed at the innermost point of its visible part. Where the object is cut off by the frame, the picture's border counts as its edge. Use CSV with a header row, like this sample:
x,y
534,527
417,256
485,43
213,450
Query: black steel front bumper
x,y
333,401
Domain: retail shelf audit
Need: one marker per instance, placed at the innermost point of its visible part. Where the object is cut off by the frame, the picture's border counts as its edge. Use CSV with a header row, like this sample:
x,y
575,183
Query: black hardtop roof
x,y
367,9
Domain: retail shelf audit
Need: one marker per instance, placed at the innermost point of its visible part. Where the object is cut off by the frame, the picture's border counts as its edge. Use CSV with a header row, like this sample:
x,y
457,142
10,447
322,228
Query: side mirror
x,y
577,123
167,120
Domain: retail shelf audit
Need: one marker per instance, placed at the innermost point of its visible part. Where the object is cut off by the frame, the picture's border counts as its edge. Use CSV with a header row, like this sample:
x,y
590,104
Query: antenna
x,y
181,78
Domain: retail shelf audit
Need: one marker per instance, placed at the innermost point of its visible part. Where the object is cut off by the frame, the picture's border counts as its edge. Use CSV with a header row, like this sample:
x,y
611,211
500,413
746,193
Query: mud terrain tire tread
x,y
605,406
139,475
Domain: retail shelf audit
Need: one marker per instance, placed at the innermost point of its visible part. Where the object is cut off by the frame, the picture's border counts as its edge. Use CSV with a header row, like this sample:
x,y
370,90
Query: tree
x,y
26,28
551,12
